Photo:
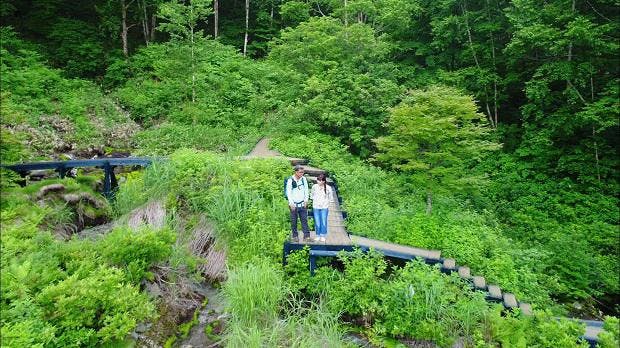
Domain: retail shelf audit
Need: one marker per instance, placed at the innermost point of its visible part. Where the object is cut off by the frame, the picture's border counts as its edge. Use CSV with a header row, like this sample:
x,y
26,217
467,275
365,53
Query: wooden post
x,y
285,251
312,264
62,171
109,181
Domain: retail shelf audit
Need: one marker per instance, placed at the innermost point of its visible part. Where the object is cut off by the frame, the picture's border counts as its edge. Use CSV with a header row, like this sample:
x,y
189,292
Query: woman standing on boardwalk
x,y
321,196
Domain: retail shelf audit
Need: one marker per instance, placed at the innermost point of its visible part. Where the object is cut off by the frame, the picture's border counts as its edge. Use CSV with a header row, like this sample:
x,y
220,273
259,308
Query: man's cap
x,y
298,167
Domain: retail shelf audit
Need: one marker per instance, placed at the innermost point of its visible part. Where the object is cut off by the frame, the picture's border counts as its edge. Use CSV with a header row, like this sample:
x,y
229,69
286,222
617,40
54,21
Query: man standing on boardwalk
x,y
297,193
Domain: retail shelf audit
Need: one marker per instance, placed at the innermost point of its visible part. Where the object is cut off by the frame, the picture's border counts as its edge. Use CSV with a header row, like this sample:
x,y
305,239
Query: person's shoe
x,y
322,239
307,239
317,239
294,239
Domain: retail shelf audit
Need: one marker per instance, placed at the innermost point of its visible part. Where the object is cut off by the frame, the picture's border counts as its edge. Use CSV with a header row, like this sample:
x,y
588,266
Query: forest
x,y
487,129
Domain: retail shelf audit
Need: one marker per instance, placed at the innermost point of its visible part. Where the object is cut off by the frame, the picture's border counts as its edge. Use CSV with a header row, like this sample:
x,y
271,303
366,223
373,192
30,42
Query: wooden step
x,y
510,301
464,272
312,171
479,283
495,292
298,161
526,308
449,264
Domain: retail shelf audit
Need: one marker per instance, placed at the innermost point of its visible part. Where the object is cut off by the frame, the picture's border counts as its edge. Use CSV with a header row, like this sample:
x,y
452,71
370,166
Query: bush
x,y
76,292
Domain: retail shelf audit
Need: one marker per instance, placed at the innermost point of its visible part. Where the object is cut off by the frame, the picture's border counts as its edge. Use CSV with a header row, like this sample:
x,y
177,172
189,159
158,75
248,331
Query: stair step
x,y
494,292
480,283
449,264
510,301
526,308
298,161
464,272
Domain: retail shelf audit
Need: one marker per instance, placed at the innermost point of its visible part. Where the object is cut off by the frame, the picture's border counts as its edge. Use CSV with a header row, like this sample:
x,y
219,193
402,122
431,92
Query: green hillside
x,y
487,130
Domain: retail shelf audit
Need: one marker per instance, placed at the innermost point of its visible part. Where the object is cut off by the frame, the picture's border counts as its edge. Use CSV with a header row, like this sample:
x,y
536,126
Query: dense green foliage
x,y
484,129
74,293
418,301
44,113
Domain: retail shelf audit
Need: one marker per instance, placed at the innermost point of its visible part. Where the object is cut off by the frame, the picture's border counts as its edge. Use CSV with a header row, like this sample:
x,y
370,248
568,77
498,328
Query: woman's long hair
x,y
323,177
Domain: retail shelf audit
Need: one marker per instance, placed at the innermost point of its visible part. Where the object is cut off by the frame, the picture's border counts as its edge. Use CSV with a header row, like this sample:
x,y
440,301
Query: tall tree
x,y
181,21
216,17
566,52
436,136
247,21
124,26
148,15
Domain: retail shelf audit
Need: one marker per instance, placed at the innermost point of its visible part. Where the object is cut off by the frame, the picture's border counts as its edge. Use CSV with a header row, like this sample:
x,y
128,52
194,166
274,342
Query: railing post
x,y
109,180
285,251
312,264
62,171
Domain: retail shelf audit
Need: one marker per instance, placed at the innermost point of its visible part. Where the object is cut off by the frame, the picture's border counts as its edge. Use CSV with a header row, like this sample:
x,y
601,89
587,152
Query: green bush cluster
x,y
82,292
417,301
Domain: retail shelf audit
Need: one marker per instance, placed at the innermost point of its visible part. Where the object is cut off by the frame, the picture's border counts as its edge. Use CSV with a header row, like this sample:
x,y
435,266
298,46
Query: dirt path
x,y
262,150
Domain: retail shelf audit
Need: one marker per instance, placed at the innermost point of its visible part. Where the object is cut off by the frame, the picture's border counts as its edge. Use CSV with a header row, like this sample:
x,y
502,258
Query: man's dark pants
x,y
303,216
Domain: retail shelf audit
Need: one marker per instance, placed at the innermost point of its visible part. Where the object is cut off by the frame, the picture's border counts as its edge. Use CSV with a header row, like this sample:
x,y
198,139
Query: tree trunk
x,y
346,19
473,53
271,16
247,24
153,25
124,29
570,44
145,24
494,61
570,48
429,202
598,170
216,17
193,63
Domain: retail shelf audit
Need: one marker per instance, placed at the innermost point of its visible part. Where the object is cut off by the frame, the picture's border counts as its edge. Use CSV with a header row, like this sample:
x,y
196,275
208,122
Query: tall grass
x,y
254,291
230,203
265,314
152,183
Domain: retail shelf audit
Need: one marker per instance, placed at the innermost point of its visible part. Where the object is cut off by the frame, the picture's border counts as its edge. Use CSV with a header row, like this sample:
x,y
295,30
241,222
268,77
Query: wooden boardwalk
x,y
396,250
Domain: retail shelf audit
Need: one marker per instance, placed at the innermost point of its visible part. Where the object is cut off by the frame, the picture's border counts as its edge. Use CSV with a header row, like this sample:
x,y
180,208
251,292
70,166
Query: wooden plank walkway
x,y
398,250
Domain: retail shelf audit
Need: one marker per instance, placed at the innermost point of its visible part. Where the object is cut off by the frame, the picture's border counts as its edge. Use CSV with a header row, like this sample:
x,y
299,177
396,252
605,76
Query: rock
x,y
142,327
39,173
50,188
153,289
92,200
459,343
